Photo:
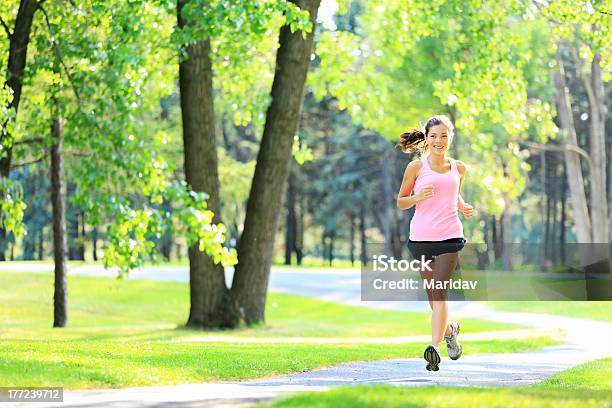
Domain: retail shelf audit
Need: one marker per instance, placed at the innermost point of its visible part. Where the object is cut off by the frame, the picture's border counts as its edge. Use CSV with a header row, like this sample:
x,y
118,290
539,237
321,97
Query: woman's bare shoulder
x,y
416,164
413,168
461,167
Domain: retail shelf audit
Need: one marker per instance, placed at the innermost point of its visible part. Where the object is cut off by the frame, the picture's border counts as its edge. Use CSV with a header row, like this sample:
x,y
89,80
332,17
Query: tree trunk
x,y
332,238
211,306
549,229
609,174
496,237
553,255
387,200
60,241
299,240
18,49
396,230
3,244
362,237
41,244
507,234
324,245
608,124
28,246
165,243
282,118
94,239
352,238
597,147
483,256
574,172
545,212
75,248
291,220
563,214
83,236
179,254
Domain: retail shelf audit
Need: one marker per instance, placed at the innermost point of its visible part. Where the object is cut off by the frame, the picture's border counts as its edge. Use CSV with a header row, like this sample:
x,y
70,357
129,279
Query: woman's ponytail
x,y
412,140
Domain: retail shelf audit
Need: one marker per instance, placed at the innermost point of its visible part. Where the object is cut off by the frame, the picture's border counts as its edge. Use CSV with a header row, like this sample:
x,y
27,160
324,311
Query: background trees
x,y
176,123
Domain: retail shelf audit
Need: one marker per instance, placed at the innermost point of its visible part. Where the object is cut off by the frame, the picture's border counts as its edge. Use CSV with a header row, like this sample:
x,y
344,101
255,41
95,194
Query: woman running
x,y
436,232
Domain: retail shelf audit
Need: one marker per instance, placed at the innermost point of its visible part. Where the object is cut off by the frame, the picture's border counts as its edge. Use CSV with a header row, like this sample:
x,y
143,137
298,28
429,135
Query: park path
x,y
585,340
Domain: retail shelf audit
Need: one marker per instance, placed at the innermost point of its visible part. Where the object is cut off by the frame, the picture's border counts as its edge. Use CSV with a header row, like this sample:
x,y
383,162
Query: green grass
x,y
587,385
599,310
307,263
150,310
86,364
5,266
129,333
594,375
312,262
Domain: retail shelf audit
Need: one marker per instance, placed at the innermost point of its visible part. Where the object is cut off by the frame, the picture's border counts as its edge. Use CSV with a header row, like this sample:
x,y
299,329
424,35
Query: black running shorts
x,y
431,249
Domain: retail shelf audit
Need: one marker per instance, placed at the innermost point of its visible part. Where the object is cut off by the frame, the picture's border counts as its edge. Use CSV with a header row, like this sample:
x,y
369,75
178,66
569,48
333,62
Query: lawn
x,y
598,310
586,385
308,262
128,333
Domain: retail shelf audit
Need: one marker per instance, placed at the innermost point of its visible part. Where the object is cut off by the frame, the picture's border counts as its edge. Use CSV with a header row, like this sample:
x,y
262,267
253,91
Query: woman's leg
x,y
445,265
428,275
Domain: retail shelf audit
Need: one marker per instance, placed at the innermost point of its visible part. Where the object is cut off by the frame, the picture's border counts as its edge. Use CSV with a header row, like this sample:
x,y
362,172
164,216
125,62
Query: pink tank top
x,y
436,218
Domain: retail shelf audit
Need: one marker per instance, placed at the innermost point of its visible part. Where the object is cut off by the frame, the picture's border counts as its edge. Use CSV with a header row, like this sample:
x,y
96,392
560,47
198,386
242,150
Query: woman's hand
x,y
467,210
426,192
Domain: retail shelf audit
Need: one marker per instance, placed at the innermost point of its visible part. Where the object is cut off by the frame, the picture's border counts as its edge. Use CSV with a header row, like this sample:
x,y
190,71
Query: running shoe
x,y
432,356
453,347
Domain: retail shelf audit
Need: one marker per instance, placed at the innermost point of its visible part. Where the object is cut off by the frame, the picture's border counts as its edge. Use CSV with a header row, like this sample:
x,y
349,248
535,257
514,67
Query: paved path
x,y
585,340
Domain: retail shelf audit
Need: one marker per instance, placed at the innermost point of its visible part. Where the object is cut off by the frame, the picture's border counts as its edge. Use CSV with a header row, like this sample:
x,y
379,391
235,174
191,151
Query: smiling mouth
x,y
439,147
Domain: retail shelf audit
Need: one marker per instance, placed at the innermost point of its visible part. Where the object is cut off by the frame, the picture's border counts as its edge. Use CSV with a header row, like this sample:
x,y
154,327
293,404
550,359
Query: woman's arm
x,y
460,201
405,199
462,206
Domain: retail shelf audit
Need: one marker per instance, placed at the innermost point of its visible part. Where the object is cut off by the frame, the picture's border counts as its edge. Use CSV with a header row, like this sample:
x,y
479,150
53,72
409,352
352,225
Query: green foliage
x,y
347,72
301,152
235,179
109,63
11,206
585,23
6,124
483,63
244,38
141,178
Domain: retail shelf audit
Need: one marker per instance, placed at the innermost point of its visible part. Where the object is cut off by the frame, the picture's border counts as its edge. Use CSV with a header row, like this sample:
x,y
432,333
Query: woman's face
x,y
438,139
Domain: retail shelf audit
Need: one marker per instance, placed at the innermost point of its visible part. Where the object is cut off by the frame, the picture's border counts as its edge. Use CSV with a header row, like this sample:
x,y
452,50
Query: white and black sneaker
x,y
452,343
432,356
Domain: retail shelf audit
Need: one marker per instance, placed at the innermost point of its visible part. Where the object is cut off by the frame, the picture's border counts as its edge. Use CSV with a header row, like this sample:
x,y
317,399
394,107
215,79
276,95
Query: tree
x,y
212,303
58,201
408,60
210,299
581,31
256,244
19,39
104,78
